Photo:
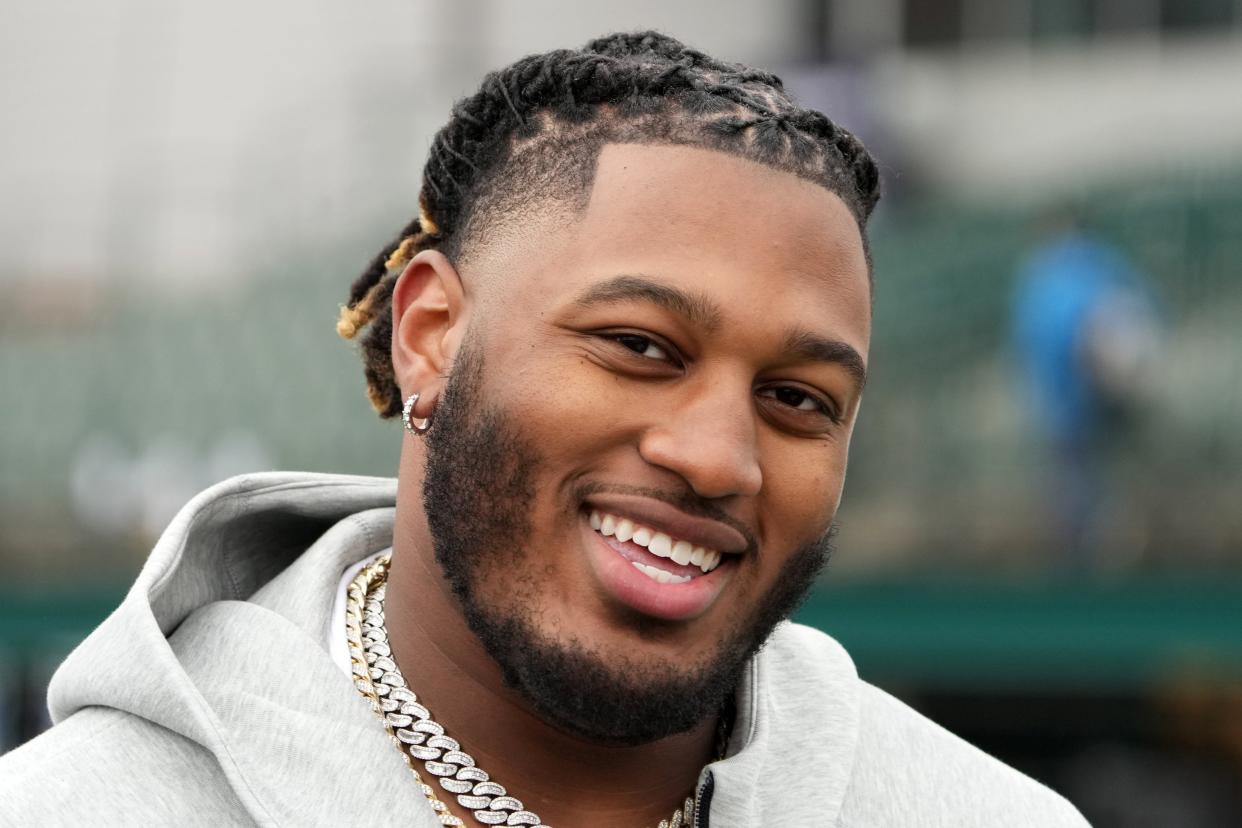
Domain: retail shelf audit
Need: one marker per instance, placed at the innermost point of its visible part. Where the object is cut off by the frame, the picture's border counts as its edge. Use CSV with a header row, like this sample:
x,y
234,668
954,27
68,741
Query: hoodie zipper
x,y
703,796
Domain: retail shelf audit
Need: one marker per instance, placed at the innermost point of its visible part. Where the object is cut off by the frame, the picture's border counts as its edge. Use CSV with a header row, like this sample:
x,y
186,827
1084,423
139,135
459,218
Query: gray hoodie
x,y
209,698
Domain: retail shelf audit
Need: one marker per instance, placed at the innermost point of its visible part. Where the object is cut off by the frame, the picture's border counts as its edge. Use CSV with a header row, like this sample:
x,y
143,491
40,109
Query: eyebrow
x,y
814,348
697,308
704,312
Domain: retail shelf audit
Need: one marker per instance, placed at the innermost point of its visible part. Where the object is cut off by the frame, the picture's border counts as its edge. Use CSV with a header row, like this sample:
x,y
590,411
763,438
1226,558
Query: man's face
x,y
675,373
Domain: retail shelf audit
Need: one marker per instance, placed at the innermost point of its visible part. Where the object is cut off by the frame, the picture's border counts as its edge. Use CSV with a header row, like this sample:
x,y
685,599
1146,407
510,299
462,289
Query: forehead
x,y
743,233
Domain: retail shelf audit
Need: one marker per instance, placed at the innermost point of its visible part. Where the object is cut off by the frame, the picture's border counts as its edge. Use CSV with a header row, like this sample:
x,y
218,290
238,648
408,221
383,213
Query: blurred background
x,y
1041,541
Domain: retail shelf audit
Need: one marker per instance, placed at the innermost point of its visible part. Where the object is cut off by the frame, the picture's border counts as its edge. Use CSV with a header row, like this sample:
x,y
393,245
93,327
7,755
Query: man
x,y
627,337
1085,333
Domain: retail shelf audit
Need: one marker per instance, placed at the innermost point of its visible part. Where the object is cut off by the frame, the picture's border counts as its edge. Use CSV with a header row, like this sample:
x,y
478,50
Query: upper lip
x,y
666,518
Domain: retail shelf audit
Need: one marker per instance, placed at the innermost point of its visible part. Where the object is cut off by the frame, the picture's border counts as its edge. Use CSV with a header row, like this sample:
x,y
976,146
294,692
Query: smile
x,y
680,552
656,559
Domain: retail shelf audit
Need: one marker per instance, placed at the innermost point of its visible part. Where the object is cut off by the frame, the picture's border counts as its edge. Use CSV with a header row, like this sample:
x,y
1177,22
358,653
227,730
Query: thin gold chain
x,y
371,577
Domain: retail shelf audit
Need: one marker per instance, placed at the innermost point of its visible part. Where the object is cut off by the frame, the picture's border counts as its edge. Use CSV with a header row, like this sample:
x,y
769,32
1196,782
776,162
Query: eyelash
x,y
620,337
825,408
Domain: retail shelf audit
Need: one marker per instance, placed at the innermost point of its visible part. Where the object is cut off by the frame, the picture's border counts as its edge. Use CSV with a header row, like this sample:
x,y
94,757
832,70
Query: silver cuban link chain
x,y
420,736
377,694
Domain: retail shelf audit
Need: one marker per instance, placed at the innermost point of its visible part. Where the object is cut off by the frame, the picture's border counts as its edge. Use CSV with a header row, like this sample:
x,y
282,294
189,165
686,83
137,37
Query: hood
x,y
222,637
223,640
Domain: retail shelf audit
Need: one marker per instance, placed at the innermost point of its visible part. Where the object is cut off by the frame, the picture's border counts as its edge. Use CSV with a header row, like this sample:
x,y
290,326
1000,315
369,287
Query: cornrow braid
x,y
533,132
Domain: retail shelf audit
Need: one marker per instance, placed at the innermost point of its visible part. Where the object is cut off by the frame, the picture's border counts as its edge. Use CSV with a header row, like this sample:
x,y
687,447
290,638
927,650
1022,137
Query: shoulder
x,y
907,764
102,766
906,769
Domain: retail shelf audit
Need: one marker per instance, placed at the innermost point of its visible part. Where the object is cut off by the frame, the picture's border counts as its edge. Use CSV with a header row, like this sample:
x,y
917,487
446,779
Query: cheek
x,y
802,501
569,407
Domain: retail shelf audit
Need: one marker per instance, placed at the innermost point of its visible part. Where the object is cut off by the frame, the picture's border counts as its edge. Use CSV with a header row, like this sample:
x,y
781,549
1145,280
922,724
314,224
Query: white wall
x,y
174,137
1020,122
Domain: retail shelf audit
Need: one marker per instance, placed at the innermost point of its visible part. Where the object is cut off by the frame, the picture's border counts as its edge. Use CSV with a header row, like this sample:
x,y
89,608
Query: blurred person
x,y
627,337
1085,332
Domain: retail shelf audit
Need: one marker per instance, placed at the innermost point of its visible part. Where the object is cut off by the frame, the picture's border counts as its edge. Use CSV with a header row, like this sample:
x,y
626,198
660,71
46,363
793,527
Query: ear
x,y
429,318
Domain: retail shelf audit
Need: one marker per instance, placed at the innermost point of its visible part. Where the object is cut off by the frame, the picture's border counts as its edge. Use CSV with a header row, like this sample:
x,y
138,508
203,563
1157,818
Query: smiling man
x,y
627,336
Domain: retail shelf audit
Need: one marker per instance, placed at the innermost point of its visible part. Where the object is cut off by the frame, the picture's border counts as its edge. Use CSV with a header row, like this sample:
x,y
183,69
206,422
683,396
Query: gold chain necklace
x,y
410,726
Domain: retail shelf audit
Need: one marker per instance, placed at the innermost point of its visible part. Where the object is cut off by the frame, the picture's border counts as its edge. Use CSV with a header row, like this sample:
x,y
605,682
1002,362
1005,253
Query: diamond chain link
x,y
411,727
370,691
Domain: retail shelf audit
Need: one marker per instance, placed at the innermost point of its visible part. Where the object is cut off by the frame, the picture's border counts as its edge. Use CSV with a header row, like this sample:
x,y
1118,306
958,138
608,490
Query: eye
x,y
643,346
801,401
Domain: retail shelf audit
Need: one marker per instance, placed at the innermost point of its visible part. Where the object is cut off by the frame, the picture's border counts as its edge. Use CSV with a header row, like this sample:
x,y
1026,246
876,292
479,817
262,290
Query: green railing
x,y
958,635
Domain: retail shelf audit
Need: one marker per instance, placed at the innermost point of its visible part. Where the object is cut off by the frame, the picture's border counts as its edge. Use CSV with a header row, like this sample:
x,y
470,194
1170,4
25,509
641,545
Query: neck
x,y
565,779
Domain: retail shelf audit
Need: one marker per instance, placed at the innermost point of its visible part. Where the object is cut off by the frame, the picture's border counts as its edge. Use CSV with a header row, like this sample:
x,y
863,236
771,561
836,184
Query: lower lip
x,y
671,602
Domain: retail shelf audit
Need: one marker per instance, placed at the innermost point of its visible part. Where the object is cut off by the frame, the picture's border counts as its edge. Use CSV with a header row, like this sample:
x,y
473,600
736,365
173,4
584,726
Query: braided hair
x,y
533,133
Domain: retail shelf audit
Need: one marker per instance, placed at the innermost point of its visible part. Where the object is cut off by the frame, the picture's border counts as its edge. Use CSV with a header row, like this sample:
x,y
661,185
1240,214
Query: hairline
x,y
573,198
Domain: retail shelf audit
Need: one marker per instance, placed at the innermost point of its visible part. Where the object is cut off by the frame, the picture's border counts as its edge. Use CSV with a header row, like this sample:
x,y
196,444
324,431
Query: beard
x,y
477,492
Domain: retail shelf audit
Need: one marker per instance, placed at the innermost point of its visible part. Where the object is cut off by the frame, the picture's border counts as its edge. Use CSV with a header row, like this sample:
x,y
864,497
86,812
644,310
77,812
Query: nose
x,y
710,440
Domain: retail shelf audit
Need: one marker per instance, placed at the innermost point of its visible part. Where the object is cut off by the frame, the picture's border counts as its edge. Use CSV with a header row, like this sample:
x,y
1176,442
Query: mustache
x,y
686,501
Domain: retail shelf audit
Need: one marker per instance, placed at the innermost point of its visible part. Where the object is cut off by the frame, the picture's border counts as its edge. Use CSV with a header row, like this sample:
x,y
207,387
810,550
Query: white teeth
x,y
661,544
657,574
657,543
